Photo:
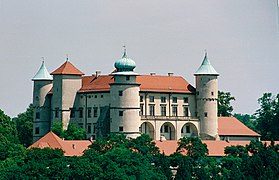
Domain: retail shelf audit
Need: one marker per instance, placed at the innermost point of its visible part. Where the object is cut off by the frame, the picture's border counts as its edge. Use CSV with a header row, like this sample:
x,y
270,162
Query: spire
x,y
125,52
43,73
206,68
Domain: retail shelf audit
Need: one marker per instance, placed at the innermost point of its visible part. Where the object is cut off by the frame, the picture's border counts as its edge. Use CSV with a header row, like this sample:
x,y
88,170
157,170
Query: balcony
x,y
173,118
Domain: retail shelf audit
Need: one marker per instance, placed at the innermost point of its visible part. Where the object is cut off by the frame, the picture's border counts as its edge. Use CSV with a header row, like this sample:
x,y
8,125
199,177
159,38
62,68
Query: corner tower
x,y
206,97
124,93
67,81
41,102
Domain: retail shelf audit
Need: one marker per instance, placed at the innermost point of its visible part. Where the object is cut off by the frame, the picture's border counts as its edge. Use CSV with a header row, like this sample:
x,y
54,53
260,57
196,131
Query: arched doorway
x,y
147,128
167,131
189,130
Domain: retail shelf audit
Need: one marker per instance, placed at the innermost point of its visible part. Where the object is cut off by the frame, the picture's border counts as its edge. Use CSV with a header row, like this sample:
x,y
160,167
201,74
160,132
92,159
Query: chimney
x,y
152,73
98,73
170,74
74,146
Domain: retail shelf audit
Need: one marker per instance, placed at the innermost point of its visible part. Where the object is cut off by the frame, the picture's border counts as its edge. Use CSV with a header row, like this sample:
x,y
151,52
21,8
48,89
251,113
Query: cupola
x,y
125,64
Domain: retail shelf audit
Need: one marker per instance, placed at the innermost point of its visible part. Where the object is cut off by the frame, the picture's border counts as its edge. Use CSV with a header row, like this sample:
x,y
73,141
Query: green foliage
x,y
236,151
248,120
24,126
8,132
192,146
224,103
72,133
268,117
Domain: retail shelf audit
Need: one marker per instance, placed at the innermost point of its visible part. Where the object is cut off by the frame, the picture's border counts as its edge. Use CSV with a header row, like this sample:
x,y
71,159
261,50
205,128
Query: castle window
x,y
127,78
72,113
80,112
163,110
186,100
89,112
37,115
174,110
56,114
80,125
212,93
89,128
95,111
186,111
151,110
188,129
102,96
141,109
37,130
95,96
151,98
174,99
205,114
198,93
166,128
120,113
163,99
120,93
121,128
141,98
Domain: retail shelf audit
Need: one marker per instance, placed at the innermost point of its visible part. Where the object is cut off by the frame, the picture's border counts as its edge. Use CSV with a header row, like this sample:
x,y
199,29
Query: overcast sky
x,y
241,38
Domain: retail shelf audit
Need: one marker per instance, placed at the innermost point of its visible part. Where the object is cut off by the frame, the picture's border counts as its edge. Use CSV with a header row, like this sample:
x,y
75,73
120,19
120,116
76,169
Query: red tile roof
x,y
67,69
232,126
148,83
76,147
70,148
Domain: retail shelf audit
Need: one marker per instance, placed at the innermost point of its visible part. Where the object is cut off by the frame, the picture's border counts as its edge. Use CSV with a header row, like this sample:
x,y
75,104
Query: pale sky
x,y
241,38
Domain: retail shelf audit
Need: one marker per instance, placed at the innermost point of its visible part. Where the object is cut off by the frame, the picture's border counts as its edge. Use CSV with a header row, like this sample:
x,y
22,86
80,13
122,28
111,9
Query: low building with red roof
x,y
164,107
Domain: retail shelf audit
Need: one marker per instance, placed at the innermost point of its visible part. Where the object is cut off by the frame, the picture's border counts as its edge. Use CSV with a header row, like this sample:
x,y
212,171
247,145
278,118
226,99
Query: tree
x,y
268,116
72,133
24,126
224,103
8,132
192,146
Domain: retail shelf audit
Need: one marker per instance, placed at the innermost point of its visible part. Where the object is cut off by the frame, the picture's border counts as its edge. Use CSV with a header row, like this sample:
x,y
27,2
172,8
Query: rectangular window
x,y
56,113
198,93
151,98
152,110
163,99
37,130
127,78
188,129
166,128
186,111
174,110
186,100
89,112
163,110
80,125
141,109
37,115
120,93
80,112
174,99
95,111
141,98
205,114
212,93
120,113
89,128
72,113
121,128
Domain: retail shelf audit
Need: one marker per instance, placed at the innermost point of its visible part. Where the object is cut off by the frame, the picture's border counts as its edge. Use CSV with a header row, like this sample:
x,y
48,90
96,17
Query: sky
x,y
161,36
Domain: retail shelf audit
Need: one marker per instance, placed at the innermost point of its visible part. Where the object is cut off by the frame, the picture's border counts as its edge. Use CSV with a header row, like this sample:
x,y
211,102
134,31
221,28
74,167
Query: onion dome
x,y
206,68
124,64
42,74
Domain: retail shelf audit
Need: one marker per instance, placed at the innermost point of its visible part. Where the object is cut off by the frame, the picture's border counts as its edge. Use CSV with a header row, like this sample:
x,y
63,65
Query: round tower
x,y
206,97
41,102
124,93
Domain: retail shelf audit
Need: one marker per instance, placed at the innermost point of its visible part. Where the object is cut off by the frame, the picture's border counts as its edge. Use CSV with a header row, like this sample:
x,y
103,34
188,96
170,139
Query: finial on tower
x,y
124,51
43,58
67,57
205,52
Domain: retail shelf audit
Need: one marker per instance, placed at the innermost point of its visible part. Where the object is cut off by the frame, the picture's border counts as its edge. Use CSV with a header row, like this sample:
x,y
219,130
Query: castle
x,y
164,107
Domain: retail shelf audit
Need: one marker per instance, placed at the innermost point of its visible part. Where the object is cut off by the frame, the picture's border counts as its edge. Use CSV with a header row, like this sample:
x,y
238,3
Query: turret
x,y
41,102
67,80
124,93
207,96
